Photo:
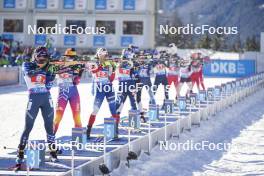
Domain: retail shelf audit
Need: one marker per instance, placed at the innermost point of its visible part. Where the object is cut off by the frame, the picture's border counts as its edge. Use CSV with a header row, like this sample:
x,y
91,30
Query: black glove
x,y
77,66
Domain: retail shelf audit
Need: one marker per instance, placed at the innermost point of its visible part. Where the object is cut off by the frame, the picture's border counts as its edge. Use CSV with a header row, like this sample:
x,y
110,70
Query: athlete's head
x,y
41,56
102,54
141,57
197,55
70,54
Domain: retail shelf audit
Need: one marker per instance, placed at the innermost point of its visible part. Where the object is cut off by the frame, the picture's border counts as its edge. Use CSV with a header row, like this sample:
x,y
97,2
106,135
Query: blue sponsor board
x,y
129,4
8,36
69,40
202,95
100,4
40,39
153,112
126,40
40,4
9,3
230,68
79,135
99,40
134,119
35,154
68,4
182,104
217,91
193,99
109,128
168,106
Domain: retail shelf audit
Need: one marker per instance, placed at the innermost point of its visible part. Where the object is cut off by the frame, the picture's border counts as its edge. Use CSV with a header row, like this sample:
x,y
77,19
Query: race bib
x,y
38,79
124,71
101,74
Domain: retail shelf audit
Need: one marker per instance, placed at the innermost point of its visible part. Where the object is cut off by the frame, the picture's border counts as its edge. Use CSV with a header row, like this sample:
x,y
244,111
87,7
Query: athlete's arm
x,y
30,69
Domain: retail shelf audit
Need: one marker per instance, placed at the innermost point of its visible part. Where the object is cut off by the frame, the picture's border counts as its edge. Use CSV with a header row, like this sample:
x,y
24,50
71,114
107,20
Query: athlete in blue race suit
x,y
160,71
143,71
39,81
127,81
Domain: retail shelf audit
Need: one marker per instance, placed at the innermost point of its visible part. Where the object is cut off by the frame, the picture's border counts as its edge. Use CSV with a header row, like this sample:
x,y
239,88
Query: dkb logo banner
x,y
229,68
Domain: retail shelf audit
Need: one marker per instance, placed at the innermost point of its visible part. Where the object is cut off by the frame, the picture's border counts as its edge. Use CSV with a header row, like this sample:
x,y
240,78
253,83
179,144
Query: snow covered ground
x,y
241,126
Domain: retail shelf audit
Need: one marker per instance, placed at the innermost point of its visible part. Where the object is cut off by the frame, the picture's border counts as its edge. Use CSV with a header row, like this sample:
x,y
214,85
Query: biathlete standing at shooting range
x,y
197,66
68,91
144,67
160,70
104,74
185,74
127,79
203,60
39,80
173,73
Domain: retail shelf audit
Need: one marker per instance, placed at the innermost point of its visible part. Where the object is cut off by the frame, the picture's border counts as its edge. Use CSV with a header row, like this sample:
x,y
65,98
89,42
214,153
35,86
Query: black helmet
x,y
39,52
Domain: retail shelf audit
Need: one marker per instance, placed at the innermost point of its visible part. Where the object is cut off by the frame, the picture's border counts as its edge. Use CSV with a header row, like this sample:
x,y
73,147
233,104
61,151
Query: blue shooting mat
x,y
123,131
119,141
63,165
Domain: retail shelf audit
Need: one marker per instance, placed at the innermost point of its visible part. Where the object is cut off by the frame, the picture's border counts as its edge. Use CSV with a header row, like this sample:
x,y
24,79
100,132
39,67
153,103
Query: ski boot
x,y
88,132
116,131
163,106
53,153
176,101
19,160
142,117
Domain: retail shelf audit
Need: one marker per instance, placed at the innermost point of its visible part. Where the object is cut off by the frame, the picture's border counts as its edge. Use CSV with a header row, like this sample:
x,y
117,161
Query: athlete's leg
x,y
132,99
179,88
189,84
150,92
121,97
197,81
201,79
48,116
193,79
31,114
166,87
156,85
99,98
110,96
60,108
75,107
138,97
176,84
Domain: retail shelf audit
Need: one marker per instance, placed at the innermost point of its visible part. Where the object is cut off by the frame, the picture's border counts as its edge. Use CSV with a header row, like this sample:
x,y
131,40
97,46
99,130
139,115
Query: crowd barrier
x,y
9,75
216,99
